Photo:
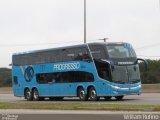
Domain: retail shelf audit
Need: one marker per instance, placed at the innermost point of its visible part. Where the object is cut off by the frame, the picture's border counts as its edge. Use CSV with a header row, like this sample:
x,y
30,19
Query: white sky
x,y
31,24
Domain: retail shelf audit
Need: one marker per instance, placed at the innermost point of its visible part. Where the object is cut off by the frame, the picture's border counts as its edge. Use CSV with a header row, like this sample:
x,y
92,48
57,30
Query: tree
x,y
152,75
5,77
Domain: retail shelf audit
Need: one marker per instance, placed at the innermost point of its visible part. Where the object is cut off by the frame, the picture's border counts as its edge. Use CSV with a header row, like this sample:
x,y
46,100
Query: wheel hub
x,y
82,94
35,95
93,94
28,94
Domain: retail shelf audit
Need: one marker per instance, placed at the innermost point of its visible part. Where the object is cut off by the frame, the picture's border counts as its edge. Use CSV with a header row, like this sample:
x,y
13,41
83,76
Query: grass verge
x,y
79,106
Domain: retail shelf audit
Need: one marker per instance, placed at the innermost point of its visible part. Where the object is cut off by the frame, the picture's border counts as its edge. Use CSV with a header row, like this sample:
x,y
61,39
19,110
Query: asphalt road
x,y
144,98
24,114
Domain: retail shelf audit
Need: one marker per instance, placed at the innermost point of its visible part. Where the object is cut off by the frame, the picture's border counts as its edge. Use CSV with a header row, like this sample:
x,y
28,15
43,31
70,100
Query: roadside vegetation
x,y
152,76
5,77
78,106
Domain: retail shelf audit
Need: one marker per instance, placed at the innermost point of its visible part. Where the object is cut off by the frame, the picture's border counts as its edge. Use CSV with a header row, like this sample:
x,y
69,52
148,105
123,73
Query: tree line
x,y
5,77
151,76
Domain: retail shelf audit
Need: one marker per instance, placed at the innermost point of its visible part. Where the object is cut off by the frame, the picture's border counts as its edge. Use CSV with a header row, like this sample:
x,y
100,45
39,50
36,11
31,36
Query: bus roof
x,y
67,47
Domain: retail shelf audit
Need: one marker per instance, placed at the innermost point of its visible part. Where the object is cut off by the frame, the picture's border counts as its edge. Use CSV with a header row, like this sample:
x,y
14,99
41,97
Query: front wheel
x,y
93,95
119,97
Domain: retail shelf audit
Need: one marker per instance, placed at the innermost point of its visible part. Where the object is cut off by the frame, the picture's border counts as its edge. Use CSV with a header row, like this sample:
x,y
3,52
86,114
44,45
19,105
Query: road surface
x,y
24,114
145,98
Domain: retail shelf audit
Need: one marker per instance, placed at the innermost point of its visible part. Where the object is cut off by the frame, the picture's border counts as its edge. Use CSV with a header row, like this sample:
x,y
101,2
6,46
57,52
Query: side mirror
x,y
145,62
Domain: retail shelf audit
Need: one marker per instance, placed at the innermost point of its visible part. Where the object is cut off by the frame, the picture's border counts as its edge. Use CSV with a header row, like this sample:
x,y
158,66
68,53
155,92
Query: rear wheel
x,y
36,95
119,97
93,94
82,95
28,95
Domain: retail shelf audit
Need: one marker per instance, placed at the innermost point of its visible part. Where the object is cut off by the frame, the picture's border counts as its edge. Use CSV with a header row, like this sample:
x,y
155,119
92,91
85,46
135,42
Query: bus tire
x,y
107,97
119,97
93,94
82,95
36,95
28,95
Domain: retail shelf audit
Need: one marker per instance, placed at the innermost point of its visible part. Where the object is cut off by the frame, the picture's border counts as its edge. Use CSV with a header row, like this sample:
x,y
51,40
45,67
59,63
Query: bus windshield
x,y
123,69
120,51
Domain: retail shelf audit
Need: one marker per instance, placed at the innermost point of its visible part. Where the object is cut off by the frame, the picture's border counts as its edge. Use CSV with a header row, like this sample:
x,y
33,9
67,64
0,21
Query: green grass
x,y
78,106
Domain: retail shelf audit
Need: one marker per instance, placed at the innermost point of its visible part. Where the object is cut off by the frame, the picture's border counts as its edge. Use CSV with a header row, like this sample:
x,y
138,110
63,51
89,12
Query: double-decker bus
x,y
88,71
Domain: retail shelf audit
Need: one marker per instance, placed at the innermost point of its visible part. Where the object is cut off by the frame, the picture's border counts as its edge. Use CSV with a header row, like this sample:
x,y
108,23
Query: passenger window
x,y
64,77
98,52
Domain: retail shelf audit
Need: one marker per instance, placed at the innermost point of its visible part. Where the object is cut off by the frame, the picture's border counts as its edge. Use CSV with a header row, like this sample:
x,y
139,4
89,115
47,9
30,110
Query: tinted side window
x,y
64,77
77,53
103,70
60,55
68,55
82,54
98,52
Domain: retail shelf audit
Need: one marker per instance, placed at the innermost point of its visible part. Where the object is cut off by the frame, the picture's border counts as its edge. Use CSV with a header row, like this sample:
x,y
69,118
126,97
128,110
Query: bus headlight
x,y
115,87
140,86
126,88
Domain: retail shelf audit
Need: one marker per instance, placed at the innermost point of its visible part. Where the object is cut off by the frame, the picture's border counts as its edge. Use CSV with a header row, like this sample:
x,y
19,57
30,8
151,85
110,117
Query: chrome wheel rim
x,y
93,94
28,94
35,94
82,94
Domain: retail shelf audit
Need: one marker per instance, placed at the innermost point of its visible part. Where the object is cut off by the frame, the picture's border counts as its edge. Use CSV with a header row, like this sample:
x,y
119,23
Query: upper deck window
x,y
49,56
120,51
98,52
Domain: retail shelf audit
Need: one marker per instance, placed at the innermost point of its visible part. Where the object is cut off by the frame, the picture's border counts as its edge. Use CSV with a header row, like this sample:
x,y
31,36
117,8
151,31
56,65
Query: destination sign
x,y
125,63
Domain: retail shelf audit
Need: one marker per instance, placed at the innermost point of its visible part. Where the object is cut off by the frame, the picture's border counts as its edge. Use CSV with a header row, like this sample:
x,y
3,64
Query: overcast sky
x,y
34,24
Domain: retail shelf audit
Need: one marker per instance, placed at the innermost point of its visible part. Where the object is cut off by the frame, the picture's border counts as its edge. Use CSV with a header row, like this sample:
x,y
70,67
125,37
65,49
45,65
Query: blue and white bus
x,y
88,71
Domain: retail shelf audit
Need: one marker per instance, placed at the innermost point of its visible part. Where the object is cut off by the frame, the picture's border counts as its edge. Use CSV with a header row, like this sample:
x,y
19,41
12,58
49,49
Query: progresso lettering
x,y
67,66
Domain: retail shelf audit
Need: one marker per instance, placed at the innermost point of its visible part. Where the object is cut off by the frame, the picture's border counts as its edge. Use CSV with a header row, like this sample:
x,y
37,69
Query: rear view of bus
x,y
88,71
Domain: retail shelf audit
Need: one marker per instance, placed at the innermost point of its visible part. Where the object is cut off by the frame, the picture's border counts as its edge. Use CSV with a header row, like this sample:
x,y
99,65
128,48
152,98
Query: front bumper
x,y
127,90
